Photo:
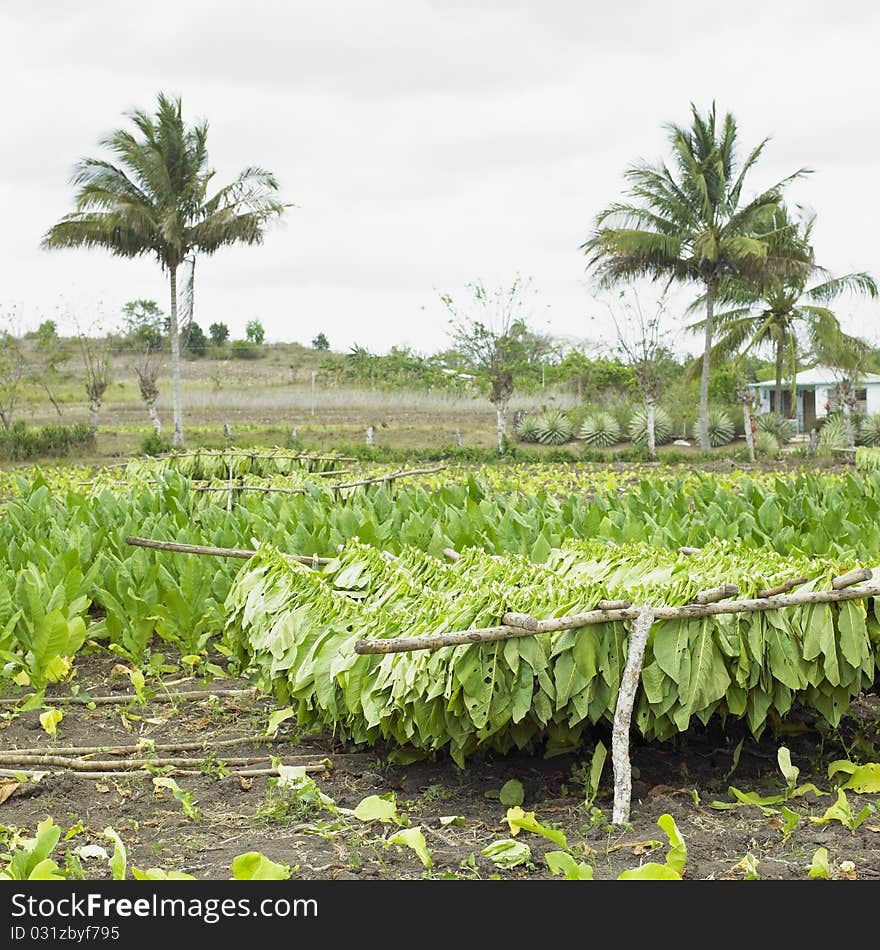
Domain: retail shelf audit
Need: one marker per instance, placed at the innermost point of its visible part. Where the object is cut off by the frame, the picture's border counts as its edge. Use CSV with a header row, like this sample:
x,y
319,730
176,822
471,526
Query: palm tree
x,y
691,224
773,314
155,201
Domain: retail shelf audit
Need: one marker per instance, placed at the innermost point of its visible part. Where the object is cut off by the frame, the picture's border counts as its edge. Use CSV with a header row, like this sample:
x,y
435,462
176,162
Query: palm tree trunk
x,y
649,427
779,359
177,403
707,365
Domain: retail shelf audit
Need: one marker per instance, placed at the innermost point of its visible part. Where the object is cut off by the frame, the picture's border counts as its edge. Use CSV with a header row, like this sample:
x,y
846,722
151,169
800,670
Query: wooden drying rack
x,y
707,603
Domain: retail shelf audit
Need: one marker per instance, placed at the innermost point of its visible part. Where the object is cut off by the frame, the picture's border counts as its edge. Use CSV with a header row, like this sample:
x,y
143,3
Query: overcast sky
x,y
424,144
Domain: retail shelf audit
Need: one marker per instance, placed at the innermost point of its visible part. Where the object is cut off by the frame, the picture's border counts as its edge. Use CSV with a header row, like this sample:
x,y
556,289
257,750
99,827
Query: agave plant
x,y
869,430
638,426
766,443
833,434
601,429
721,430
527,429
783,431
554,427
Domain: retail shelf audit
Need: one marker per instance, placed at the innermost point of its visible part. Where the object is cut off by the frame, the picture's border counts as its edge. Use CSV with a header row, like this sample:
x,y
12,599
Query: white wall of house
x,y
873,393
823,397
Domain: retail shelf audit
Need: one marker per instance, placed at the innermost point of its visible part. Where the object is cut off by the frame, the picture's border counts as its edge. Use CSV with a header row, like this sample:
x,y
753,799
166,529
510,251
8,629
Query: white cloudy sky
x,y
425,144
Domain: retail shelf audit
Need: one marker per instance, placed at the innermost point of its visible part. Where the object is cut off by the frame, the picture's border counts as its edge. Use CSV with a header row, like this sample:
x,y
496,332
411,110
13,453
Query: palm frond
x,y
860,283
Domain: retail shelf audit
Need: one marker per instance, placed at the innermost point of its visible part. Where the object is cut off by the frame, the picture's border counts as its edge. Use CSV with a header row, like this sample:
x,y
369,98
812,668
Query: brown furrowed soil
x,y
230,814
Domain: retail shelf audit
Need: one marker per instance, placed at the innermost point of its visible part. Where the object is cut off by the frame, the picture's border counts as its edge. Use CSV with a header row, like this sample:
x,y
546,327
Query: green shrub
x,y
600,429
638,426
721,429
21,442
242,350
554,427
782,431
869,430
833,434
153,444
527,428
766,444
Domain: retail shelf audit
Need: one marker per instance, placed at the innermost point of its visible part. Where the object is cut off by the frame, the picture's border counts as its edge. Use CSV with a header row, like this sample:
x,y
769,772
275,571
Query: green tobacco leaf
x,y
507,853
597,764
414,839
819,866
650,872
864,779
562,863
160,874
277,717
750,798
518,819
676,858
512,793
791,819
119,859
842,811
255,866
376,808
789,771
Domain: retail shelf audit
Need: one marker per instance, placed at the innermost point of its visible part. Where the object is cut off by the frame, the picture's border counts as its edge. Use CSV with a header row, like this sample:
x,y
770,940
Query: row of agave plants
x,y
601,429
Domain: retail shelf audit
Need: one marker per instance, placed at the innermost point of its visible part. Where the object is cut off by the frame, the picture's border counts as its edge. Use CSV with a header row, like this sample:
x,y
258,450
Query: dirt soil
x,y
236,814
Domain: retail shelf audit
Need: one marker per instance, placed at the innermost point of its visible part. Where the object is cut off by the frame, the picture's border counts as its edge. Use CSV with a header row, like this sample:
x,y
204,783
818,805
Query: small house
x,y
815,396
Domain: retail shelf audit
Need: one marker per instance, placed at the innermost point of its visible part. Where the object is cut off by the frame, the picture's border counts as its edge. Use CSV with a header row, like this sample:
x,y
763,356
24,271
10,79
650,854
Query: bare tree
x,y
492,341
95,351
641,342
12,368
147,364
48,354
746,396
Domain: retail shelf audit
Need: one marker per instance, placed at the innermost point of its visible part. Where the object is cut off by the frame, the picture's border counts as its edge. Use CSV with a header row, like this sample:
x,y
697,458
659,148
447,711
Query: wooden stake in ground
x,y
629,683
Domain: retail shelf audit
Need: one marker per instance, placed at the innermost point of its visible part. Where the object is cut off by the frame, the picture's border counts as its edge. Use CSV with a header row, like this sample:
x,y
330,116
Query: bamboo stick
x,y
524,621
205,746
40,774
262,488
855,576
626,695
435,641
122,699
390,478
120,765
716,593
221,453
214,552
782,588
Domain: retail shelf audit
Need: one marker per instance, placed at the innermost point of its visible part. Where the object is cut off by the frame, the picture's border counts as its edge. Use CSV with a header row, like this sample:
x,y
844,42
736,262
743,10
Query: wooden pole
x,y
852,577
391,477
716,593
782,588
436,641
524,621
629,682
214,552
